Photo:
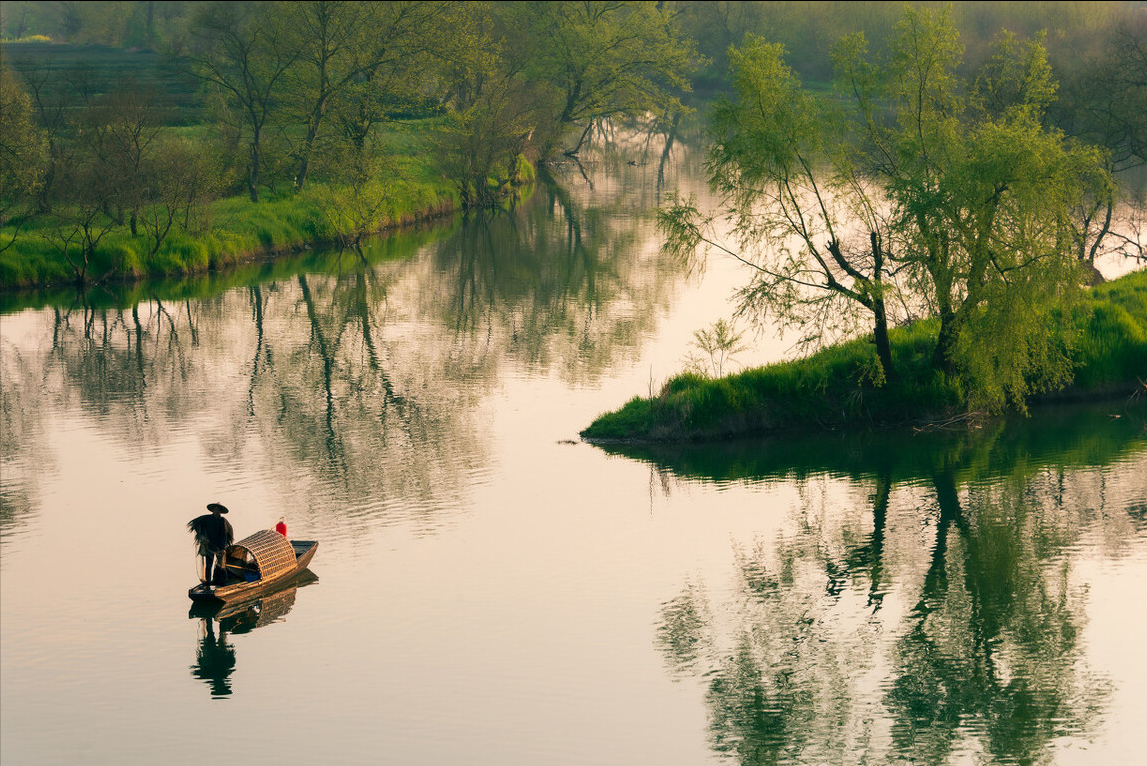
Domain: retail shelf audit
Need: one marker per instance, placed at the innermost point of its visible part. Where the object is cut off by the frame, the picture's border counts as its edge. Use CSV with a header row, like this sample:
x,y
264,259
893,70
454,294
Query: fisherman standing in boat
x,y
213,534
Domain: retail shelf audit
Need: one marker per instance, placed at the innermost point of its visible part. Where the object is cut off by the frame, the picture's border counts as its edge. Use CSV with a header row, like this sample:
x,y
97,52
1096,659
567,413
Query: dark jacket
x,y
212,532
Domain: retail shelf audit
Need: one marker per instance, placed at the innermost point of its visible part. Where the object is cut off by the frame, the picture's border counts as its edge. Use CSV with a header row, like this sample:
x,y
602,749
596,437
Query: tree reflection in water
x,y
568,283
844,644
991,643
358,377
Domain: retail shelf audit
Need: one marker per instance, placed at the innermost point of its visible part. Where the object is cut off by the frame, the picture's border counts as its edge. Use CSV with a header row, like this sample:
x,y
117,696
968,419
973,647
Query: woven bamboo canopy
x,y
273,553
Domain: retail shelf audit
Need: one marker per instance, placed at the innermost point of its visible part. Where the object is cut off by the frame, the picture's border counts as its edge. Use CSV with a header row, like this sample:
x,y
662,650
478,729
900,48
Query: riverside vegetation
x,y
957,186
265,126
133,130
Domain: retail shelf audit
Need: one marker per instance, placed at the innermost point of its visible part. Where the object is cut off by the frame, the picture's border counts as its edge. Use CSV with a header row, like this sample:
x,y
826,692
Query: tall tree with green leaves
x,y
349,50
122,126
981,190
493,110
803,214
406,42
910,182
51,103
238,57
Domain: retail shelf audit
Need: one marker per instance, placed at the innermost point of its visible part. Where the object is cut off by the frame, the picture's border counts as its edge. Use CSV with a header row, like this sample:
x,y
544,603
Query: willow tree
x,y
982,193
605,59
909,182
796,205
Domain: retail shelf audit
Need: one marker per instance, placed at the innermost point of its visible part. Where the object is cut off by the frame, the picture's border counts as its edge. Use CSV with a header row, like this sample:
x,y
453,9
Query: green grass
x,y
1113,346
197,286
234,229
834,388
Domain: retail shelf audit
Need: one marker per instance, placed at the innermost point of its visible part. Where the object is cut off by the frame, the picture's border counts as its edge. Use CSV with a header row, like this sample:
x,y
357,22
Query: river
x,y
488,589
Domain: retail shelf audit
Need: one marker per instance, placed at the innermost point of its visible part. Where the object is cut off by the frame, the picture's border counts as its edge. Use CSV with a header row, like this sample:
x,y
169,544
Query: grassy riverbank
x,y
233,230
833,388
396,246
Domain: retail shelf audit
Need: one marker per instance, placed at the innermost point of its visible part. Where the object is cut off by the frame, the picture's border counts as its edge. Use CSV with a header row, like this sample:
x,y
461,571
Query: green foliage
x,y
602,60
634,420
810,30
294,85
201,284
829,388
376,191
349,62
803,213
23,147
484,141
293,92
226,232
242,60
912,188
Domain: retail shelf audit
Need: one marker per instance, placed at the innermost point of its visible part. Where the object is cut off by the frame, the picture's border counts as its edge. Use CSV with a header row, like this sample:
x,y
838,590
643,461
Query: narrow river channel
x,y
490,590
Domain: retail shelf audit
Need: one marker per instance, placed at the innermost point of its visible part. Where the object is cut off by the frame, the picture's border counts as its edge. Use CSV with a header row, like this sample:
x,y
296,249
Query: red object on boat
x,y
281,528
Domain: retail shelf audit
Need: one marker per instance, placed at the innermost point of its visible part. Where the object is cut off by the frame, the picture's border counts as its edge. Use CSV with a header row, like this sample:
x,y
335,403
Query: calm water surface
x,y
489,590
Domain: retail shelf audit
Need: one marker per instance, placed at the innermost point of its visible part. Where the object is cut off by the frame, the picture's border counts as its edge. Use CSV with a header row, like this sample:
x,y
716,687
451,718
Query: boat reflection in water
x,y
215,656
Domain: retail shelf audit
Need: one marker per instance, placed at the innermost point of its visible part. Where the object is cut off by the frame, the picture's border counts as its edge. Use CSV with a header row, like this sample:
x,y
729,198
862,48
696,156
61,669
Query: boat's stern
x,y
203,592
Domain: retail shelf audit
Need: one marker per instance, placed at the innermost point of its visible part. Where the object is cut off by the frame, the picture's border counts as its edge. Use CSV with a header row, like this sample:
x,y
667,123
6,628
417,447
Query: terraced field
x,y
71,72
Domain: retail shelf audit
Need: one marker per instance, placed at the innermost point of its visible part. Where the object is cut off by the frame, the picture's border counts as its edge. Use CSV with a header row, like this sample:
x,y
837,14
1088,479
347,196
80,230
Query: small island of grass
x,y
834,387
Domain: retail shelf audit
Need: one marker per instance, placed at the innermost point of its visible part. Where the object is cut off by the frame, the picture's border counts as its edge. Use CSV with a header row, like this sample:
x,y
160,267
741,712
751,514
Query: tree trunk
x,y
581,141
253,173
880,314
572,97
309,144
1089,257
304,164
43,196
880,336
943,358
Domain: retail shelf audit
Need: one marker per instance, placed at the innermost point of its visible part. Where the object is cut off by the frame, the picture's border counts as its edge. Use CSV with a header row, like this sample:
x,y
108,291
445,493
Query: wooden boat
x,y
256,565
267,608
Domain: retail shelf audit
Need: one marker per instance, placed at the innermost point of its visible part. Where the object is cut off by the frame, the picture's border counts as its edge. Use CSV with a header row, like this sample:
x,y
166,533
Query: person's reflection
x,y
214,659
214,656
